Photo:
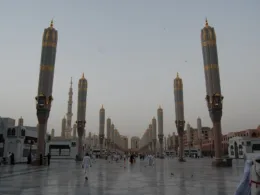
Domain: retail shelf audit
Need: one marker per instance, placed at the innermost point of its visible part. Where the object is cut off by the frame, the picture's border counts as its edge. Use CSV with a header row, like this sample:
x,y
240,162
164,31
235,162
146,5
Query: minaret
x,y
101,129
214,97
63,127
108,134
154,135
199,127
179,113
81,115
69,113
52,133
74,131
44,97
160,129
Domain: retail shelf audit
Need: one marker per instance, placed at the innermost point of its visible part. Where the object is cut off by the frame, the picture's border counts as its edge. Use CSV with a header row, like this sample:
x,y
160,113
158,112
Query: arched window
x,y
9,132
13,131
254,134
23,132
231,147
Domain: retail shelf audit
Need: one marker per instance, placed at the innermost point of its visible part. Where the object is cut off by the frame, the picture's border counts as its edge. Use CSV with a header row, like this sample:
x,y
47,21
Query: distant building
x,y
124,142
203,143
135,143
20,140
241,146
60,148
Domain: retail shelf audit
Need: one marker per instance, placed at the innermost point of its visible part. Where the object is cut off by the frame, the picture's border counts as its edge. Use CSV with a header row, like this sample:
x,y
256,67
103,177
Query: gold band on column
x,y
211,67
47,67
208,43
49,44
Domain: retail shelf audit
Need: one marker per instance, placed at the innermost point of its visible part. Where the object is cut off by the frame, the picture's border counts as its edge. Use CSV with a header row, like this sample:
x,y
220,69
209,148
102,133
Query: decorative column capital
x,y
215,106
160,136
80,124
180,124
214,102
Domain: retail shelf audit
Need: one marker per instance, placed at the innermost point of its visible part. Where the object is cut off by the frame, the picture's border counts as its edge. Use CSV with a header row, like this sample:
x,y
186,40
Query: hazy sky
x,y
130,52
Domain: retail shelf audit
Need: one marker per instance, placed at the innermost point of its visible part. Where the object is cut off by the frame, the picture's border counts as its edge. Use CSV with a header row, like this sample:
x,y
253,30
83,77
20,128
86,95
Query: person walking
x,y
49,158
86,163
124,160
12,158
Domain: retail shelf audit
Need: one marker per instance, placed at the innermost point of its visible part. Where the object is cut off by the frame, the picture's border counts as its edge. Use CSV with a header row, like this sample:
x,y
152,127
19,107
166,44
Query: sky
x,y
130,52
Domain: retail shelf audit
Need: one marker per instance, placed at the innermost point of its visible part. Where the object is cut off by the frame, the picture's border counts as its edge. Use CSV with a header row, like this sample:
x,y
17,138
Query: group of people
x,y
87,161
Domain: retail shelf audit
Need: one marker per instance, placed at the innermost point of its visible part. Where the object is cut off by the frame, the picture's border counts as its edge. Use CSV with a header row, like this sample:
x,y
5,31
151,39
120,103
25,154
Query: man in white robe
x,y
244,187
150,160
255,176
86,163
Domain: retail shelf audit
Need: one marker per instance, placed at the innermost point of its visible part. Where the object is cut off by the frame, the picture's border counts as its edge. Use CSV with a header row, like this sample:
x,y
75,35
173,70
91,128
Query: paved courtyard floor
x,y
168,176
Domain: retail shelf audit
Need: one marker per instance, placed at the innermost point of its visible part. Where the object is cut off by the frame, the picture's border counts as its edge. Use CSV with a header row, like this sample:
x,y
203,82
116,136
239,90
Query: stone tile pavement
x,y
168,176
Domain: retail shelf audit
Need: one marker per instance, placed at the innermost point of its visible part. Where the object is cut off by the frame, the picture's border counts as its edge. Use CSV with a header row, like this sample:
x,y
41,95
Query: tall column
x,y
108,134
179,113
101,129
150,132
160,129
188,137
90,141
154,134
147,140
199,127
214,97
44,97
115,134
81,114
112,137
